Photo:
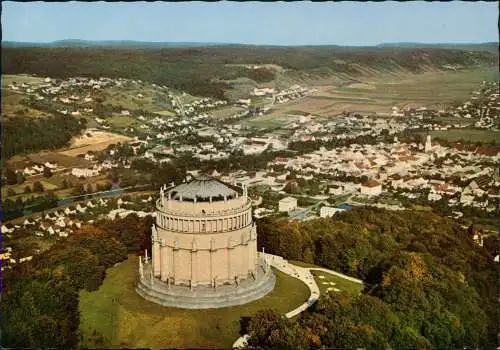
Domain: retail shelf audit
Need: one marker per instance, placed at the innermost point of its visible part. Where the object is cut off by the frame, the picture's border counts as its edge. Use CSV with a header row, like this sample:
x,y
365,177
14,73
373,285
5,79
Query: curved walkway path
x,y
302,273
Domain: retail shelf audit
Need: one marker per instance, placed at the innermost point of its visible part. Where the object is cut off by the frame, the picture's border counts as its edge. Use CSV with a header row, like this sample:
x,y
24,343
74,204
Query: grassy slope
x,y
379,93
472,135
134,322
340,283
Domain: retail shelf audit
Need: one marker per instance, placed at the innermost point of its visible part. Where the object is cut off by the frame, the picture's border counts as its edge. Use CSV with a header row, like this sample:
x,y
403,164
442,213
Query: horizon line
x,y
251,44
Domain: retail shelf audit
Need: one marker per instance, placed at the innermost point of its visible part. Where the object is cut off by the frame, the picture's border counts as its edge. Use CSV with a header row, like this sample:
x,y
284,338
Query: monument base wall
x,y
206,297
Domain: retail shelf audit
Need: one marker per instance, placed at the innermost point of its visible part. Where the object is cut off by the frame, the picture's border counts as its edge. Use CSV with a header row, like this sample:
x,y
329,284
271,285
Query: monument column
x,y
155,259
163,255
174,258
211,252
228,253
194,264
172,263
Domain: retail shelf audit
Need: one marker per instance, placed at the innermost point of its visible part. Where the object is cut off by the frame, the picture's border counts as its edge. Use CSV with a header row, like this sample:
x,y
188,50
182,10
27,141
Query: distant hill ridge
x,y
211,69
486,46
105,43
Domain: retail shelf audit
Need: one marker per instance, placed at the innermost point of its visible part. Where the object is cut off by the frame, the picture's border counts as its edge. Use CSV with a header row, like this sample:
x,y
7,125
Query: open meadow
x,y
19,79
66,161
12,105
378,94
272,120
329,283
143,96
120,121
98,141
471,135
124,319
226,112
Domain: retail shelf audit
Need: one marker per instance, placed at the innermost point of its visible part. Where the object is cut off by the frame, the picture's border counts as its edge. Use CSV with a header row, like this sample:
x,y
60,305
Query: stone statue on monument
x,y
152,276
141,268
153,232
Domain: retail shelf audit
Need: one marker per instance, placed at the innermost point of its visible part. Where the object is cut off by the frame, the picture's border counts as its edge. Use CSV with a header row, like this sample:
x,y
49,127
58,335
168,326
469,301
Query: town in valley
x,y
190,195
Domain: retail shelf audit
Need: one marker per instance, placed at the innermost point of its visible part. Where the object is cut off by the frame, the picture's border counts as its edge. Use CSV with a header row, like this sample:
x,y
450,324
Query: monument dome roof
x,y
203,188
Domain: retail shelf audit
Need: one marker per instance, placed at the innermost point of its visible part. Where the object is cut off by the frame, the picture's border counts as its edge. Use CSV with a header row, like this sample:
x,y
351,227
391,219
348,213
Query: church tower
x,y
428,144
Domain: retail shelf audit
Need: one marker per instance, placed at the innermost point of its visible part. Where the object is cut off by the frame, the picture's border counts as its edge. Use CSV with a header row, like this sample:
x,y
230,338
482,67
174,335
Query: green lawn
x,y
166,113
340,283
225,112
47,185
302,264
421,208
267,121
132,322
20,79
425,89
122,121
324,283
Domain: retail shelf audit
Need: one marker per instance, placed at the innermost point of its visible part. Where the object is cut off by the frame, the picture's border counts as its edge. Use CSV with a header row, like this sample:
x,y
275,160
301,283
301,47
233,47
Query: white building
x,y
326,212
287,204
84,172
263,91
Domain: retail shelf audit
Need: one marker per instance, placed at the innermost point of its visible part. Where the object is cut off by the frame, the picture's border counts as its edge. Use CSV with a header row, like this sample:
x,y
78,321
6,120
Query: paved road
x,y
302,273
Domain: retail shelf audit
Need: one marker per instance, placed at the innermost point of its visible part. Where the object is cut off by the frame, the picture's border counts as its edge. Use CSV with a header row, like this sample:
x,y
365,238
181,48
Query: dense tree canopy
x,y
39,305
44,133
430,284
203,70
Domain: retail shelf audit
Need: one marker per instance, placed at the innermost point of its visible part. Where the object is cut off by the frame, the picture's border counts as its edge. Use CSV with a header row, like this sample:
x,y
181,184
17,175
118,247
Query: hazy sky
x,y
279,23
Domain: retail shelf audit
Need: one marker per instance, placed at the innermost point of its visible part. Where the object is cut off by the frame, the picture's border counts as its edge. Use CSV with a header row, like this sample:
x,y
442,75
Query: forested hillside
x,y
27,135
39,305
428,284
203,70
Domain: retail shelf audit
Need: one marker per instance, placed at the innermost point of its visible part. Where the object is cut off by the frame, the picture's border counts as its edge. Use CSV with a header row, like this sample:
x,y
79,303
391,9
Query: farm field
x,y
269,121
97,142
121,121
8,79
472,135
54,183
226,111
380,93
127,97
143,97
19,162
124,319
12,105
166,113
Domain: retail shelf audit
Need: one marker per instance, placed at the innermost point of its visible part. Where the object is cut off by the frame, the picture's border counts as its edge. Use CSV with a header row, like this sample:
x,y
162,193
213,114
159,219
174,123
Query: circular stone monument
x,y
204,249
